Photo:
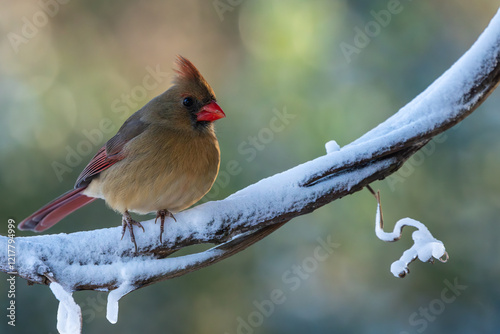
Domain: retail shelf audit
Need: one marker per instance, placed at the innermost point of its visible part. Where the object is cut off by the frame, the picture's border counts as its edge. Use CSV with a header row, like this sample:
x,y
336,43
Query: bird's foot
x,y
127,221
162,214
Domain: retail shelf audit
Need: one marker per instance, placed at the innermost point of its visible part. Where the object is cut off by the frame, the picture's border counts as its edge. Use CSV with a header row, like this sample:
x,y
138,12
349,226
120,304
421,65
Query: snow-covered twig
x,y
425,247
98,260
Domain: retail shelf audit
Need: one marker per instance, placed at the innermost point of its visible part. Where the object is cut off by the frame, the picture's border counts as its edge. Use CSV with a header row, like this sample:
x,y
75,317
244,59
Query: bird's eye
x,y
188,101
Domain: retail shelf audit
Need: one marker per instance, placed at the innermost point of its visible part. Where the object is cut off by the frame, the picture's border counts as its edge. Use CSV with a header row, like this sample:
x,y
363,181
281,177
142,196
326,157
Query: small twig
x,y
377,197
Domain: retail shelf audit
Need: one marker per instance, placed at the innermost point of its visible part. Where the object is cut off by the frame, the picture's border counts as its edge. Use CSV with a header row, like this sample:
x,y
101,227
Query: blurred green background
x,y
65,73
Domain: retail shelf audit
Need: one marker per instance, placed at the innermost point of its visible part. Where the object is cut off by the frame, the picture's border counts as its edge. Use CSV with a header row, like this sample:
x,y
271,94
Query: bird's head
x,y
190,103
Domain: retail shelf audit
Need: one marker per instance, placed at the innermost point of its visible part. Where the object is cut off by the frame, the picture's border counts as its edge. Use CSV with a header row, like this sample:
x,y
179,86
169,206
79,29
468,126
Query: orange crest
x,y
187,70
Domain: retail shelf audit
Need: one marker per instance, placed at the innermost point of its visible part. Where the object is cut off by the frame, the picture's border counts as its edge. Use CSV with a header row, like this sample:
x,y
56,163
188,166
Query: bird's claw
x,y
162,214
127,221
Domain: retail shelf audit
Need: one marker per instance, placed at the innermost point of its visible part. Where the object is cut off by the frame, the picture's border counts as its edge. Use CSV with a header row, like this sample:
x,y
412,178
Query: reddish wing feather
x,y
101,161
56,210
34,219
65,208
111,153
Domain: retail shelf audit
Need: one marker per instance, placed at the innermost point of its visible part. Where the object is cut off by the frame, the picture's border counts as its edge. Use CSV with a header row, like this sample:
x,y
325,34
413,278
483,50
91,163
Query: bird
x,y
164,158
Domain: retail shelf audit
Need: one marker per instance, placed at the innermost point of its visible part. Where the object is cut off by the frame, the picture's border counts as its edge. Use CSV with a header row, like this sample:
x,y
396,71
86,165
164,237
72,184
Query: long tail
x,y
56,210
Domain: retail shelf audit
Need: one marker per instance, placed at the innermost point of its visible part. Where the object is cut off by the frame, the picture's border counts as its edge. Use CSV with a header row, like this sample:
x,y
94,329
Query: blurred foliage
x,y
58,85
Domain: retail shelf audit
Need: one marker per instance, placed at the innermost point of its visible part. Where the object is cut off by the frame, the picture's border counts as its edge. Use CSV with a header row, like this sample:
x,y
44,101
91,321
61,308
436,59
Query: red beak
x,y
210,112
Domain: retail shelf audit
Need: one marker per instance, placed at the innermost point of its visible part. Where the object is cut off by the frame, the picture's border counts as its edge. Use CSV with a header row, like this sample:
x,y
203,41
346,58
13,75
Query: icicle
x,y
113,298
69,314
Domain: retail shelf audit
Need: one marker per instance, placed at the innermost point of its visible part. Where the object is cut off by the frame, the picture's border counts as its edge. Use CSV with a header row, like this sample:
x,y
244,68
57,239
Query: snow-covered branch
x,y
99,260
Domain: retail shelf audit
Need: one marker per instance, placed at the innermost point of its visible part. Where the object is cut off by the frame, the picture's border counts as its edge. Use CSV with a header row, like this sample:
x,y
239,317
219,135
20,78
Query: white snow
x,y
113,298
332,146
69,314
425,246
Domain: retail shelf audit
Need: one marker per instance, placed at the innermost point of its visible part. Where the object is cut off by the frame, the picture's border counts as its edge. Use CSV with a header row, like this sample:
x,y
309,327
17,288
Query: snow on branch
x,y
99,260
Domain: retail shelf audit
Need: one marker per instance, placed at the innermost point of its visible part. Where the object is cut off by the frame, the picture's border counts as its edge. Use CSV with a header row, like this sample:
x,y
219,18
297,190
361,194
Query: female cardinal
x,y
164,158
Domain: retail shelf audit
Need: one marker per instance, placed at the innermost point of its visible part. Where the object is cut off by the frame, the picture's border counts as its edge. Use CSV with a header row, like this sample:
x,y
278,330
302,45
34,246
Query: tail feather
x,y
56,210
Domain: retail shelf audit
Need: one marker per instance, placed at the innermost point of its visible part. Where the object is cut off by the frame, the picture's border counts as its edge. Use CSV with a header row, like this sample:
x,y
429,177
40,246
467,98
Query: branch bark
x,y
97,259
